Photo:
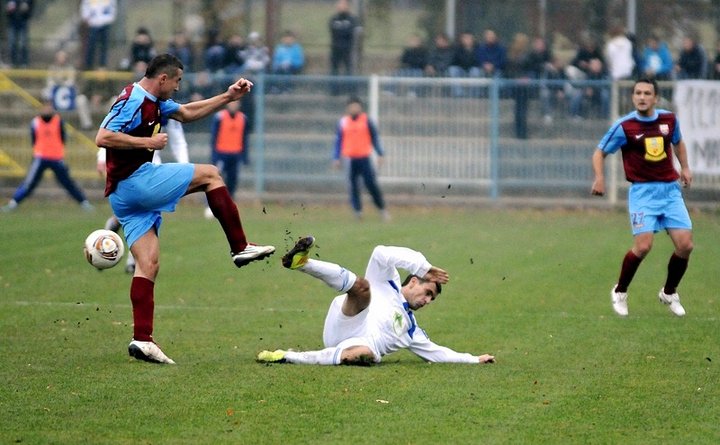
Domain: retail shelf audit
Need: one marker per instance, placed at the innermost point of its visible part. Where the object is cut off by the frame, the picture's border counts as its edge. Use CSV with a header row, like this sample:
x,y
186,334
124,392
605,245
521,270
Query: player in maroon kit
x,y
139,190
646,138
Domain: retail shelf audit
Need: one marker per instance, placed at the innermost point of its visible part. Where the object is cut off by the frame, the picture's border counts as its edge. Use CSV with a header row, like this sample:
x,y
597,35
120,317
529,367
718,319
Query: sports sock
x,y
334,275
327,356
113,224
676,269
225,210
143,306
630,265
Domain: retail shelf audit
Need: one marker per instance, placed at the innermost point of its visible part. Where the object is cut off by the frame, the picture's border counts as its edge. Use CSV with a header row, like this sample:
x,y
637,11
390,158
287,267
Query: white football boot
x,y
619,302
673,302
252,252
149,352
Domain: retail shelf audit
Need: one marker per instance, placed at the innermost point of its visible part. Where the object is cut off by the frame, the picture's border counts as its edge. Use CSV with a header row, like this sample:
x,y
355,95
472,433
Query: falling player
x,y
374,315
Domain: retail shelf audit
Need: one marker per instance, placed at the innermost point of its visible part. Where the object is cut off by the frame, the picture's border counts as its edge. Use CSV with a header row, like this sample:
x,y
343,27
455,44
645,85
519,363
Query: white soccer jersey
x,y
391,324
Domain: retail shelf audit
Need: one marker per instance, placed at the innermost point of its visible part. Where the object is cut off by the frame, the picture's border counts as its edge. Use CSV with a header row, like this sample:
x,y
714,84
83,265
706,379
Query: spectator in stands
x,y
656,59
356,137
142,48
716,62
440,56
692,63
235,54
619,54
97,15
215,53
553,92
61,89
288,57
201,86
539,62
100,89
491,55
595,94
344,29
518,68
414,58
18,13
464,61
181,48
256,54
587,52
47,133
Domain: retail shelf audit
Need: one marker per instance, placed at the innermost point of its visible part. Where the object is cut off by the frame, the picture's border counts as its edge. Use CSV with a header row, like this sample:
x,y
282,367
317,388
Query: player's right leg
x,y
354,355
146,251
334,275
207,178
32,179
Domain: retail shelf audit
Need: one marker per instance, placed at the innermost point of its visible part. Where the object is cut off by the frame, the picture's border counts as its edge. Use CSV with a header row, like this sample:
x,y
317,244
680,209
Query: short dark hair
x,y
649,80
354,100
422,280
163,64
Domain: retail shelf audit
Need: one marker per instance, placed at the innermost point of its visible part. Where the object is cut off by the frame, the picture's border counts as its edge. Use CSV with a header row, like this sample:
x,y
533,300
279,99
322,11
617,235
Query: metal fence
x,y
482,138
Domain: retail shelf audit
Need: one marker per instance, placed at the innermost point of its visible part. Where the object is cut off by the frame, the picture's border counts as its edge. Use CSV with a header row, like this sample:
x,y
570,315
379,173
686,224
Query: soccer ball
x,y
104,249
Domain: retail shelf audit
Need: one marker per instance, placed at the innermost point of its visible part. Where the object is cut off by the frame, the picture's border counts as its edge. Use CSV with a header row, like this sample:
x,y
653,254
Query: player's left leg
x,y
353,355
207,178
679,227
62,174
370,179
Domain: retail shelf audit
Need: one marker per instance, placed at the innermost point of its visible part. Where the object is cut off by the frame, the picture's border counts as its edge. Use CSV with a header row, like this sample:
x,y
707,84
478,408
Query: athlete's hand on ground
x,y
486,358
157,141
598,187
437,275
240,88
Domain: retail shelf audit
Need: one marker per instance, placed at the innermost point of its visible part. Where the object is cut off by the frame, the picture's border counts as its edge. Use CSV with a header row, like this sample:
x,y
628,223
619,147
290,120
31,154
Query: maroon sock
x,y
676,269
630,265
143,305
225,210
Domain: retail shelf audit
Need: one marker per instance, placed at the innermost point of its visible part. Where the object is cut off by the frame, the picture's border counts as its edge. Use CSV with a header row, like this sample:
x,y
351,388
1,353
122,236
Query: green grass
x,y
529,286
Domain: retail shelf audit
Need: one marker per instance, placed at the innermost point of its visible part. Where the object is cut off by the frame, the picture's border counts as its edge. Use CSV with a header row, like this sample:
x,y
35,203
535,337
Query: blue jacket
x,y
659,60
288,56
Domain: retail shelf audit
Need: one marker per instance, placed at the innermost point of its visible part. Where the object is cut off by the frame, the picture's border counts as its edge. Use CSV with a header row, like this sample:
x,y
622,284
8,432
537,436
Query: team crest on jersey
x,y
655,149
664,129
398,323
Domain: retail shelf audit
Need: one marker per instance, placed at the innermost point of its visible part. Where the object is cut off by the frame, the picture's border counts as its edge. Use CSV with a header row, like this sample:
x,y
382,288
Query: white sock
x,y
334,275
327,356
130,259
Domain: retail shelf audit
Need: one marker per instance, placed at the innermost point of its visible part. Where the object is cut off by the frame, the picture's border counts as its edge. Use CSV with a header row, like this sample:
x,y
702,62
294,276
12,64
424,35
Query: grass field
x,y
529,286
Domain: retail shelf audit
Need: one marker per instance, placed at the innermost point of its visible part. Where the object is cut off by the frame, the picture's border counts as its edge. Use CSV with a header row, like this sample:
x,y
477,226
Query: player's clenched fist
x,y
158,141
240,88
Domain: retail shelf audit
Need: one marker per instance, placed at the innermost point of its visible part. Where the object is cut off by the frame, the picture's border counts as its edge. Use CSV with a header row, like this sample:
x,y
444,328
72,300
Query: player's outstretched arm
x,y
116,139
486,358
199,109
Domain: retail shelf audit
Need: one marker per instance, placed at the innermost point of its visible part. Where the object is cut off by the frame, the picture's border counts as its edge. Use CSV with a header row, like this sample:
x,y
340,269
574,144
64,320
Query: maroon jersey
x,y
646,144
137,113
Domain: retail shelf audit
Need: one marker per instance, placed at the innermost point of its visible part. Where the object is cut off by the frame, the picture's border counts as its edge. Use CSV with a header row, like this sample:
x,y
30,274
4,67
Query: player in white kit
x,y
374,315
